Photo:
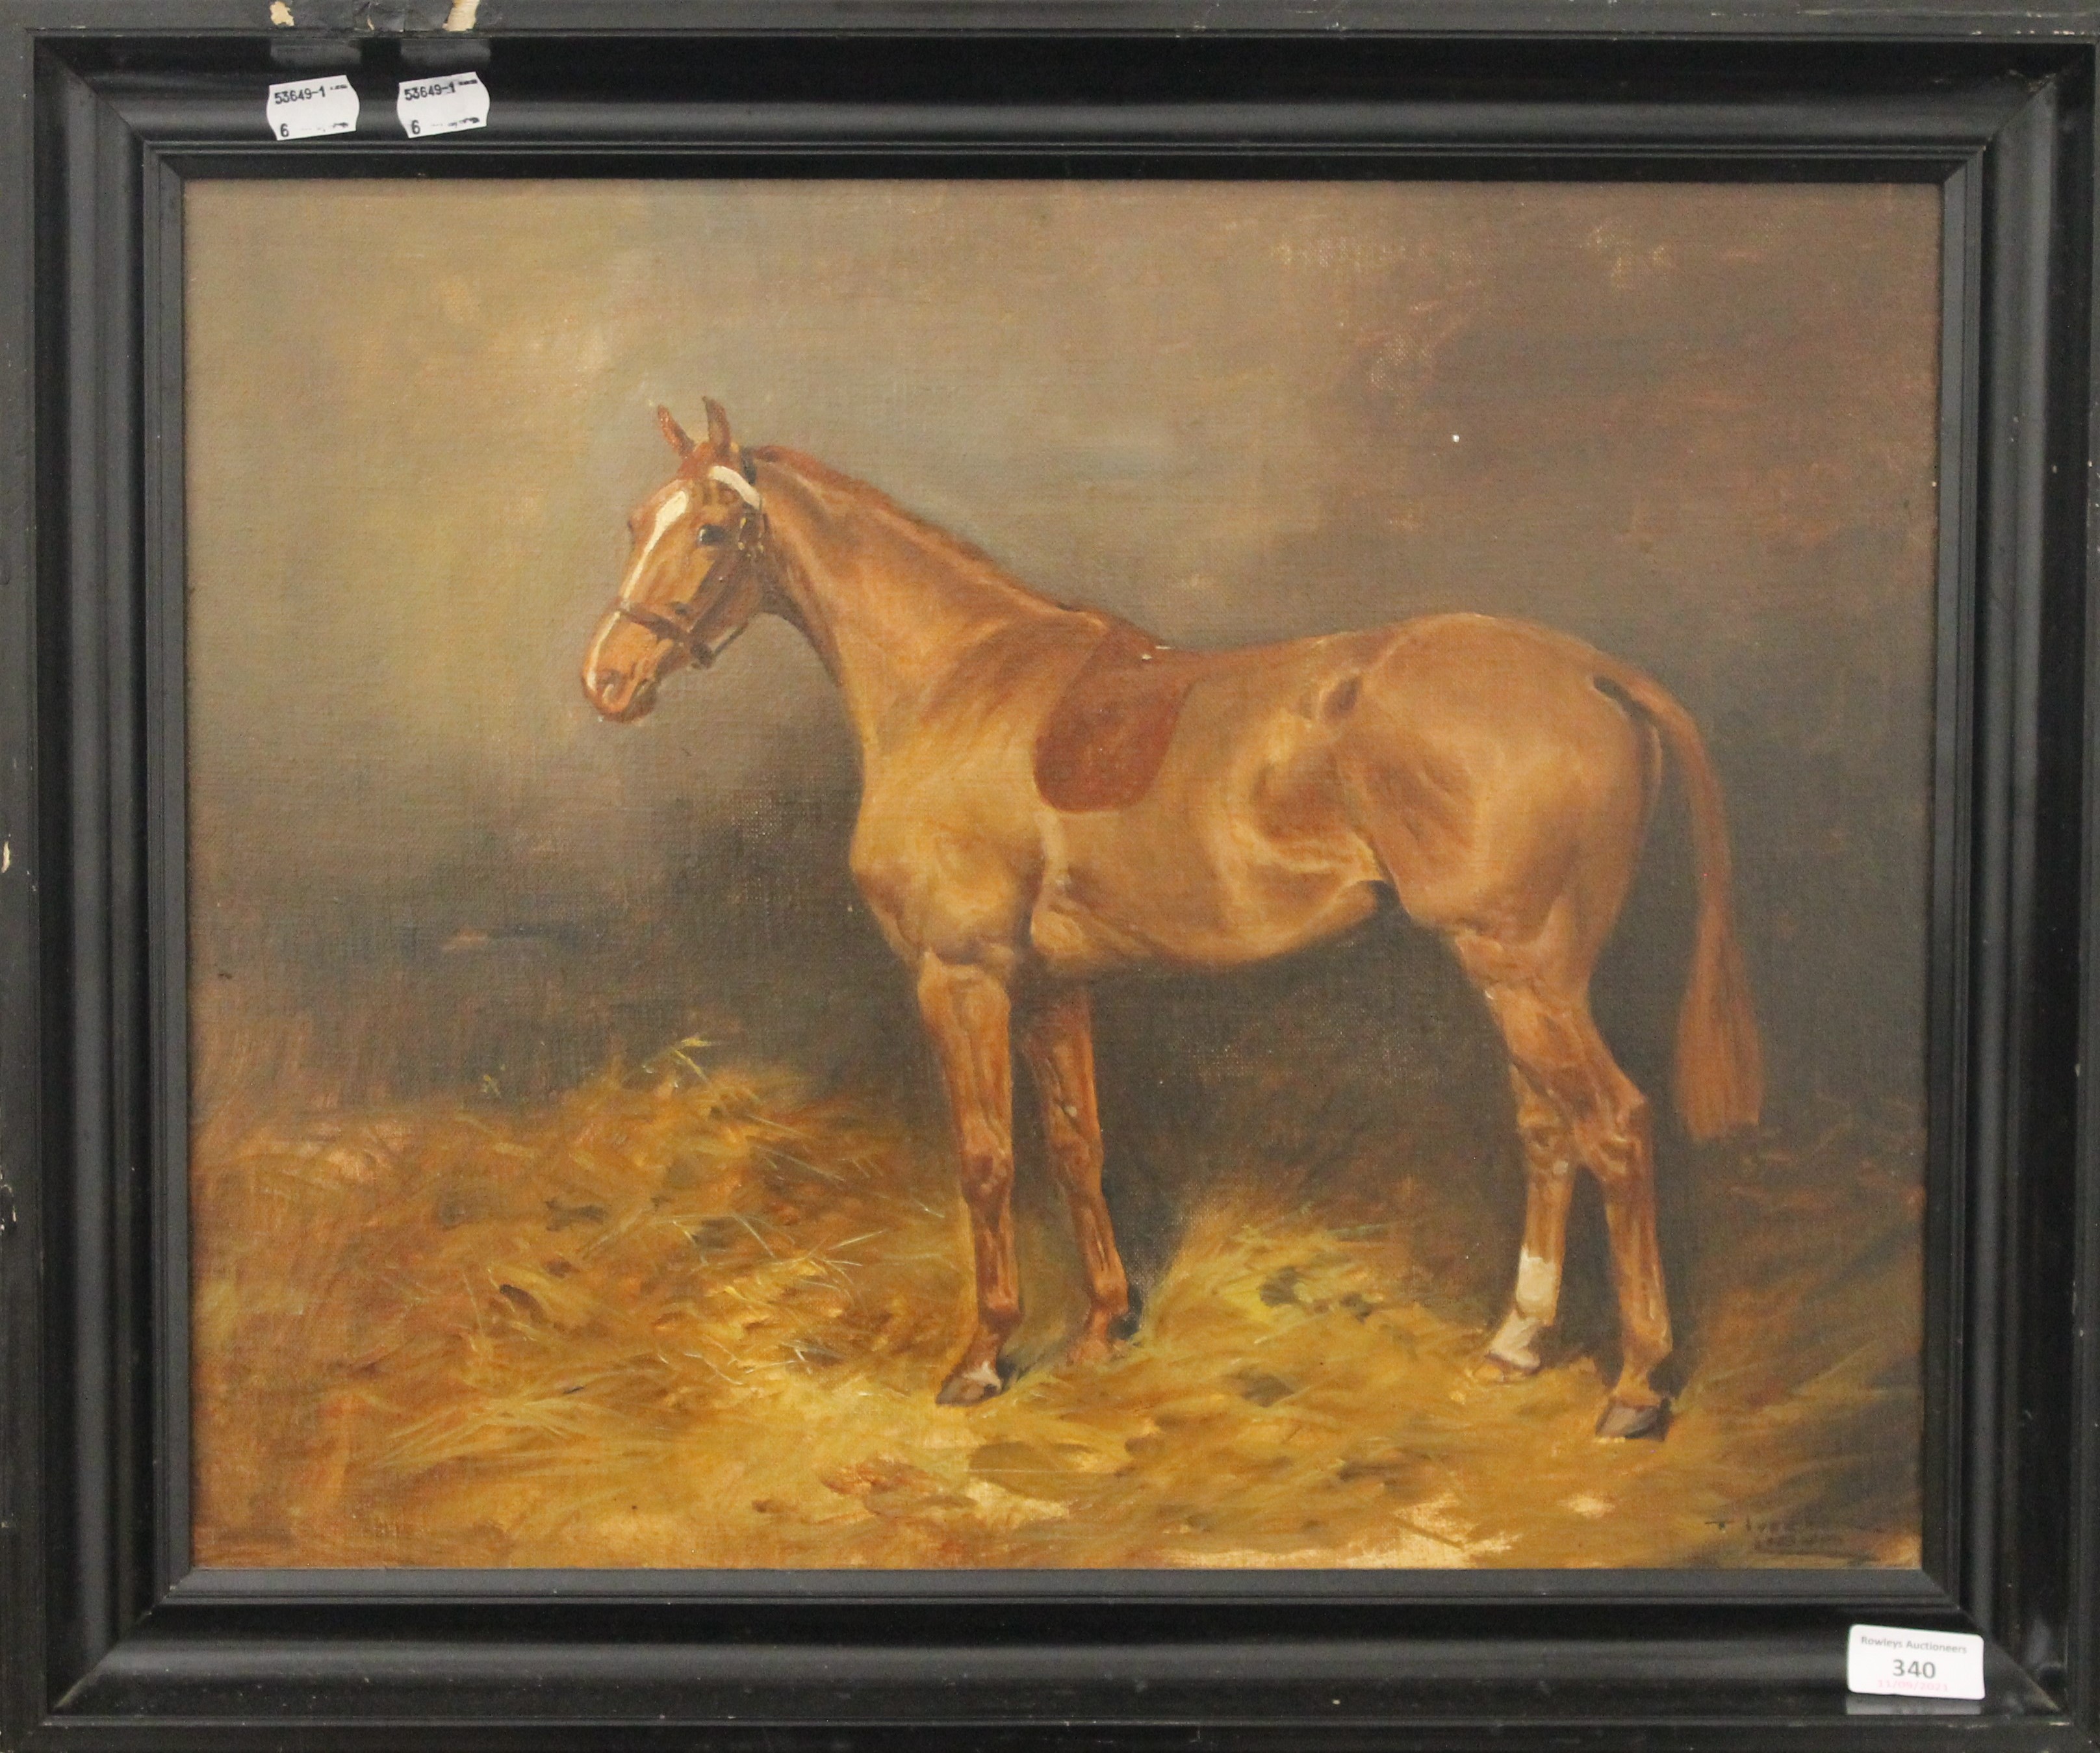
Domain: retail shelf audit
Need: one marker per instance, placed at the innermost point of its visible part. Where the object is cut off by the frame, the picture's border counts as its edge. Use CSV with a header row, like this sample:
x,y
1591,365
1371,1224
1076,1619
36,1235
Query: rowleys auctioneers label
x,y
1914,1664
308,107
443,105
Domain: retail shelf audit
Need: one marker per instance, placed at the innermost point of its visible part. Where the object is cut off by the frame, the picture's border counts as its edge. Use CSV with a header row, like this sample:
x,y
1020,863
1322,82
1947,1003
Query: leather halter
x,y
684,625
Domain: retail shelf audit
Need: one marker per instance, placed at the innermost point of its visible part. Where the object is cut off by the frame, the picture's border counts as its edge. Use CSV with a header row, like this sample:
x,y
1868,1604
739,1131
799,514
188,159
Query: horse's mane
x,y
954,547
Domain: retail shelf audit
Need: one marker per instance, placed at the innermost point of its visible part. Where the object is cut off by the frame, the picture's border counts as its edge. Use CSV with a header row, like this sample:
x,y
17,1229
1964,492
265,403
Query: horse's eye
x,y
710,534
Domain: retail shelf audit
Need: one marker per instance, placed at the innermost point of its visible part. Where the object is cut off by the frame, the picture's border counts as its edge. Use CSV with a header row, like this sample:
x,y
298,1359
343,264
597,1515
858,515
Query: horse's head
x,y
694,576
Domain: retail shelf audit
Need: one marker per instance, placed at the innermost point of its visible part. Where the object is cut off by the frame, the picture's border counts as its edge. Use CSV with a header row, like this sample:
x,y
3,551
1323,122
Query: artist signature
x,y
1769,1534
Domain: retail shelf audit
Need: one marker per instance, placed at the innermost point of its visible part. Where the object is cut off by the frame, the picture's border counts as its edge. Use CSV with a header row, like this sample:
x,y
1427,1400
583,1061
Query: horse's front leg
x,y
1057,1040
967,1010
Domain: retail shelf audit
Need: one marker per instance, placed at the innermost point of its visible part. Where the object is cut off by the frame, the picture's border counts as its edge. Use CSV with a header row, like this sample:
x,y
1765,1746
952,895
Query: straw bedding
x,y
694,1313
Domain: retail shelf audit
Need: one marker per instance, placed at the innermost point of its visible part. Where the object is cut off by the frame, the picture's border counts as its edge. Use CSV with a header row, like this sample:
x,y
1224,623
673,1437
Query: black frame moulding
x,y
112,1640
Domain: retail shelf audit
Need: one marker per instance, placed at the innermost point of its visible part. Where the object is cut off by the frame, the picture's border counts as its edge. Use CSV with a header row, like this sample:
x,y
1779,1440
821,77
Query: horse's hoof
x,y
968,1387
1125,1325
1625,1423
1499,1370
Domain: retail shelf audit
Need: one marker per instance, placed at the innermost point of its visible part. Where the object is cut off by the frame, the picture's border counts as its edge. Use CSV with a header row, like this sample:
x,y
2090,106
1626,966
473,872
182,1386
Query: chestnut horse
x,y
1047,794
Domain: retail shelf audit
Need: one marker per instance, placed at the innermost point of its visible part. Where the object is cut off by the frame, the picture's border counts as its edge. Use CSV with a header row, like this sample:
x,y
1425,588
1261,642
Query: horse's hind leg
x,y
1544,1016
1057,1040
1549,1165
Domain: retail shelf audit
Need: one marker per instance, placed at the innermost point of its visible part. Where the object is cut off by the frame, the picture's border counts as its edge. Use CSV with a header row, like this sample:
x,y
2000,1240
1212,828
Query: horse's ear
x,y
674,434
718,438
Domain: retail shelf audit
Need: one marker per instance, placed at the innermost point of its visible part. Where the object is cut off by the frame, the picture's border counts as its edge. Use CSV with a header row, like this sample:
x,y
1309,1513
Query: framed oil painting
x,y
901,879
1099,1035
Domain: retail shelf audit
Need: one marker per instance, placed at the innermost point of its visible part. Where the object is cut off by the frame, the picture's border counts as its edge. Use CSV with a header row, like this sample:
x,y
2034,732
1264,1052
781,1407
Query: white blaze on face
x,y
667,514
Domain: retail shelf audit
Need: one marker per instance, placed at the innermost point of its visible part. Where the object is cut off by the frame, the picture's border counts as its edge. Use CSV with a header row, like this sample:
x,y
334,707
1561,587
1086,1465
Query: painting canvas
x,y
1021,874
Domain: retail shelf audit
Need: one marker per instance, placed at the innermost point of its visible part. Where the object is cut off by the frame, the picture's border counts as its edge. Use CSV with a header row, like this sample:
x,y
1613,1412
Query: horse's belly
x,y
1113,900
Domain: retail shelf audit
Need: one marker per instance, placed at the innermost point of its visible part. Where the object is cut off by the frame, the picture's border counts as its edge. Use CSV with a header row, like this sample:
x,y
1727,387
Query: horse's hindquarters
x,y
1498,784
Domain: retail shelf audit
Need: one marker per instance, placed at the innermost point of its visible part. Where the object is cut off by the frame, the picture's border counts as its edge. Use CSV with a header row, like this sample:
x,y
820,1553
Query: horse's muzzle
x,y
621,698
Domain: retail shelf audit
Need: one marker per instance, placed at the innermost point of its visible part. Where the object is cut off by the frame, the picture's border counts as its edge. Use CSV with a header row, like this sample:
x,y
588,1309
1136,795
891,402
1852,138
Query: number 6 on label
x,y
305,109
444,105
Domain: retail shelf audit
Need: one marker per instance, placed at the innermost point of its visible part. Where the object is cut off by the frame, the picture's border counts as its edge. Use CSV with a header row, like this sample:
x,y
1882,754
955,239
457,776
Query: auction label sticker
x,y
1885,1658
444,105
307,107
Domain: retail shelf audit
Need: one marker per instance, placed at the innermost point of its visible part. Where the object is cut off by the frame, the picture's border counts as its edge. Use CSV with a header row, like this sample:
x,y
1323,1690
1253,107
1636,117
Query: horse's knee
x,y
1543,1129
985,1170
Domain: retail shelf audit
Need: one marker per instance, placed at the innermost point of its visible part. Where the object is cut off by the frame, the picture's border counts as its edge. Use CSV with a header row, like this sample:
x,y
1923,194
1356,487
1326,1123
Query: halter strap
x,y
746,545
671,632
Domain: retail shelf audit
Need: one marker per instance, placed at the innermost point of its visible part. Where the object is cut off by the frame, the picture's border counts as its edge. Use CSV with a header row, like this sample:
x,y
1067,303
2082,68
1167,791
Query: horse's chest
x,y
949,869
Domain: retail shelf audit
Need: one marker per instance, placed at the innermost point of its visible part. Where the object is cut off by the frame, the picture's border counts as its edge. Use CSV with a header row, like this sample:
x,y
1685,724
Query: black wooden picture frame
x,y
110,1639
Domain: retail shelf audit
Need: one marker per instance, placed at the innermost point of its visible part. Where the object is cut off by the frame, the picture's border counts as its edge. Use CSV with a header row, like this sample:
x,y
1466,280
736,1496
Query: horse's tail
x,y
1720,1061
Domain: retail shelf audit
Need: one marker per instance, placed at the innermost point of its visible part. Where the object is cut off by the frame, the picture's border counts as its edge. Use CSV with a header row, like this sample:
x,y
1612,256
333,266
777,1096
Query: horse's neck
x,y
891,604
